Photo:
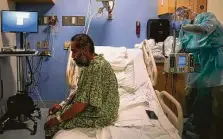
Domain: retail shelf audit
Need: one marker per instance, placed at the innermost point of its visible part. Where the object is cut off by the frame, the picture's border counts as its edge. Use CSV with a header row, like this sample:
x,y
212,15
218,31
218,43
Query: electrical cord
x,y
166,80
35,73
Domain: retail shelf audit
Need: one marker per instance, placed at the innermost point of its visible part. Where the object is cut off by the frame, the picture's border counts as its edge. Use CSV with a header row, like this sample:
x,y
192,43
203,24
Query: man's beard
x,y
82,61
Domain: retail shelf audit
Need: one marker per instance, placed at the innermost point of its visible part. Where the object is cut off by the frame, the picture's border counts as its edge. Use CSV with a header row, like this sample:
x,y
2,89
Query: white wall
x,y
8,64
216,6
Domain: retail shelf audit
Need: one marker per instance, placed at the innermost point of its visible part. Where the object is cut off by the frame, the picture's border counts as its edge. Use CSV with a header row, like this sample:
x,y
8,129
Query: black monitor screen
x,y
19,21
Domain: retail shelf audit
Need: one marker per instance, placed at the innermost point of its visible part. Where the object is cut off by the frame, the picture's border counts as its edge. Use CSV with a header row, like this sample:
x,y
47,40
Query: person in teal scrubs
x,y
204,38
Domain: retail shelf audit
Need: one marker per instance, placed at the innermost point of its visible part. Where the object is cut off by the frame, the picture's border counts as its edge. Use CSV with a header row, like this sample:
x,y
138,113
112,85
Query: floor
x,y
25,134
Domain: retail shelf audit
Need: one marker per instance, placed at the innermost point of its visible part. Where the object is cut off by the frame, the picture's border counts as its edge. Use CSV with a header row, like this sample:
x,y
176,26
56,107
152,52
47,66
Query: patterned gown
x,y
98,87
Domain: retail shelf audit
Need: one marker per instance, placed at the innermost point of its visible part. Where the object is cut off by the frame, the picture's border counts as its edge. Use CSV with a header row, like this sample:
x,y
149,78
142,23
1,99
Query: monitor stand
x,y
21,105
21,68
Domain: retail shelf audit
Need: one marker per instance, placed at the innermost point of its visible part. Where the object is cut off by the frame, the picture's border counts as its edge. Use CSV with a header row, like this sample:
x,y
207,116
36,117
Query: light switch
x,y
73,20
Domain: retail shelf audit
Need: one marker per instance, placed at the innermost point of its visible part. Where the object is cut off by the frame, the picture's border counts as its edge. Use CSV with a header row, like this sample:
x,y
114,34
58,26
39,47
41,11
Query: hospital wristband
x,y
59,119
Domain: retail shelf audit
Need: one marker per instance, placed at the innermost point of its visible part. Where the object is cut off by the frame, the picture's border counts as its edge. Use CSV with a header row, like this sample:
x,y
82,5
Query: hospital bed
x,y
136,73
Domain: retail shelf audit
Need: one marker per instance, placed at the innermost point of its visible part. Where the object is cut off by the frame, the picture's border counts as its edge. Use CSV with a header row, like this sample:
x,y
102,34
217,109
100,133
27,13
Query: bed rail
x,y
177,121
150,62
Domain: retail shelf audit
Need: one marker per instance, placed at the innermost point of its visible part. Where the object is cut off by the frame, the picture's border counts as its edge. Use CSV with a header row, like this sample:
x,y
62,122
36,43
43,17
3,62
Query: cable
x,y
88,12
90,23
35,83
54,51
166,77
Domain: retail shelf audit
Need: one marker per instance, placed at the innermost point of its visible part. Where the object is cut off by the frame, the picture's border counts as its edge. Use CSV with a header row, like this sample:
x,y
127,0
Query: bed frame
x,y
176,120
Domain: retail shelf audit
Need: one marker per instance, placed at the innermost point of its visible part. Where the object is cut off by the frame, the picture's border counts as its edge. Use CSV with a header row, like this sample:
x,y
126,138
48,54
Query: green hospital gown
x,y
98,87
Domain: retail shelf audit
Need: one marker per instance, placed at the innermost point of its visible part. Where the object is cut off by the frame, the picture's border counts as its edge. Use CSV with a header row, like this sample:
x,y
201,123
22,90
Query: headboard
x,y
150,62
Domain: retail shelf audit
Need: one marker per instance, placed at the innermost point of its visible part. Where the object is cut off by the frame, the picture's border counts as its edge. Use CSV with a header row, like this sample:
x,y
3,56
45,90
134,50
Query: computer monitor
x,y
19,21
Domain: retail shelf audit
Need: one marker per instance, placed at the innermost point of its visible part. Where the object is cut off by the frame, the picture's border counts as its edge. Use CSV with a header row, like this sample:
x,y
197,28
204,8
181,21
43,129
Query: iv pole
x,y
173,49
174,32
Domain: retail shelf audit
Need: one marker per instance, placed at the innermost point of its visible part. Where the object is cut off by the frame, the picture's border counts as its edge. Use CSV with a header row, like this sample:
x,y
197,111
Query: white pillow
x,y
125,79
112,52
135,73
120,75
140,72
128,83
116,56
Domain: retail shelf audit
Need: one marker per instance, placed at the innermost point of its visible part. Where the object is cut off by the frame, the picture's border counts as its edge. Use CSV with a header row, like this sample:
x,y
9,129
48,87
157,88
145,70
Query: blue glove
x,y
176,25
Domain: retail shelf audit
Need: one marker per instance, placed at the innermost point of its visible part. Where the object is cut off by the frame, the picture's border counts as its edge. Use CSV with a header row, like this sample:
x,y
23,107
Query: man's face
x,y
79,55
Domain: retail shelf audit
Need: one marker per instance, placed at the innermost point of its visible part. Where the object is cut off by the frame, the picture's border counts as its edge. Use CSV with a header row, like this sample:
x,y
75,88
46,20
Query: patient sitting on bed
x,y
96,101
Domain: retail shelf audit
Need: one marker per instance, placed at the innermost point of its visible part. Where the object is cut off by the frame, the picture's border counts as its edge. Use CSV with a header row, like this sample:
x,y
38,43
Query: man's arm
x,y
88,93
70,97
73,111
207,23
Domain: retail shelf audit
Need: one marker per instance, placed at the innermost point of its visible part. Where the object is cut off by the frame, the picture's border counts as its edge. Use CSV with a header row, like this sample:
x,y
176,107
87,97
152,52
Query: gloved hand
x,y
55,108
196,29
176,25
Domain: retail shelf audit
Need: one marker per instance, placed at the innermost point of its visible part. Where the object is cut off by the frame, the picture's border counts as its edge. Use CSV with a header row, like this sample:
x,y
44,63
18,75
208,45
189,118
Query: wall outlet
x,y
38,45
45,44
80,20
65,20
67,45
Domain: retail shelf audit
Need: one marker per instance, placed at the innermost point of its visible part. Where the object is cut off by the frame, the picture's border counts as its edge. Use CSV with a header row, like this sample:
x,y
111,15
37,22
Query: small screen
x,y
182,61
19,21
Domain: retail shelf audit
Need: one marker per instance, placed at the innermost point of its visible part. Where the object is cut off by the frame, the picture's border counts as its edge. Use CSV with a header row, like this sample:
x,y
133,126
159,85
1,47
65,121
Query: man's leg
x,y
191,94
203,112
49,133
217,107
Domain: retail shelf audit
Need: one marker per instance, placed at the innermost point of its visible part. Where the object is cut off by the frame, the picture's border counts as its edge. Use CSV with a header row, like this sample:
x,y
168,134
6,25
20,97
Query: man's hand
x,y
52,122
55,108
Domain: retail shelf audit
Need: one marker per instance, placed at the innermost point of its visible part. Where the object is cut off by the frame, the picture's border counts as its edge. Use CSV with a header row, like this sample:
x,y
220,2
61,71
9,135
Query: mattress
x,y
133,122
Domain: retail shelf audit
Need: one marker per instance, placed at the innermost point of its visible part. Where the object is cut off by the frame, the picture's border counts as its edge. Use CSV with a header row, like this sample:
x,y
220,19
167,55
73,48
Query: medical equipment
x,y
108,5
19,21
179,63
20,105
